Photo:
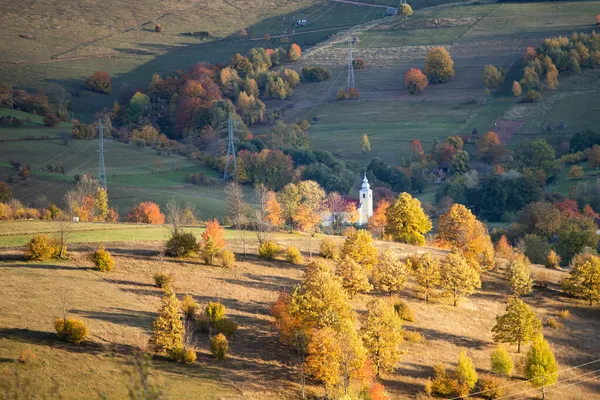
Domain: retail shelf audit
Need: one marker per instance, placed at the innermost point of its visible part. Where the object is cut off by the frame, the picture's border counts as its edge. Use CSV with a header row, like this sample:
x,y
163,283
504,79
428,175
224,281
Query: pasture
x,y
476,35
119,308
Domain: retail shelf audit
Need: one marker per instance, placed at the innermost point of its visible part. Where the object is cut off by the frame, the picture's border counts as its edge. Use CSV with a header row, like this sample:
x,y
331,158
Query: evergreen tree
x,y
518,325
458,277
167,329
541,367
382,334
391,274
354,277
501,361
406,220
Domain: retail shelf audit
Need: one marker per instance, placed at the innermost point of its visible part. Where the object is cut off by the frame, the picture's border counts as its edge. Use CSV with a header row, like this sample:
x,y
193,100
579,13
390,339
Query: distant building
x,y
390,12
364,206
301,22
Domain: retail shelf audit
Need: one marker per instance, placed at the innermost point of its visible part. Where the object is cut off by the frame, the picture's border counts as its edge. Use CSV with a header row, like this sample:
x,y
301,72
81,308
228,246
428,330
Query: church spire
x,y
365,182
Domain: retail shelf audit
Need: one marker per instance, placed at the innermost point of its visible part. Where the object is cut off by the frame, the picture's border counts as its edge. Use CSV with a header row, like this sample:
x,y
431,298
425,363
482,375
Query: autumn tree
x,y
167,329
531,79
215,231
466,376
503,248
378,220
295,52
492,77
405,10
501,361
439,66
541,218
541,368
415,80
365,144
5,192
406,221
459,228
354,277
517,325
391,274
458,277
146,212
426,270
459,164
323,360
99,82
552,77
518,276
353,354
416,150
360,247
584,277
490,148
517,90
273,209
382,334
576,172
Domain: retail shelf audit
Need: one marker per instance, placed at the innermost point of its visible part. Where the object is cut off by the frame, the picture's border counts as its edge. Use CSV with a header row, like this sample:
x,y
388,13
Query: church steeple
x,y
365,198
365,183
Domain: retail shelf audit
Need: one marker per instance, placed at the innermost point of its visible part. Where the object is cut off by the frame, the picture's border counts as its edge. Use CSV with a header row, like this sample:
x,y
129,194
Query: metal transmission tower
x,y
230,150
101,170
350,66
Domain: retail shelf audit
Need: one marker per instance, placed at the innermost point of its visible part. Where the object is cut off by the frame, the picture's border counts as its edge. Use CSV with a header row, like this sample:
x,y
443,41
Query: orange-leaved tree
x,y
215,231
295,52
273,210
415,80
378,221
146,212
490,148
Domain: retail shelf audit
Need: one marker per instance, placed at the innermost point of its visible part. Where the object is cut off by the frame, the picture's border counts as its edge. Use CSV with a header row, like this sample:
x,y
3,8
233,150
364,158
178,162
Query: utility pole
x,y
101,170
350,66
230,150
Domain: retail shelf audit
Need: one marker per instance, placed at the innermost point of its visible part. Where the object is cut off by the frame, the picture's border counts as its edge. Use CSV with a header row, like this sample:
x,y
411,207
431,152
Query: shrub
x,y
51,120
415,80
219,346
553,323
40,248
359,63
182,244
501,361
403,311
412,336
27,356
531,96
228,258
295,52
203,323
490,386
72,330
268,250
215,311
189,306
99,82
158,28
563,314
163,280
442,383
226,326
329,249
315,74
209,251
552,260
189,355
293,256
102,259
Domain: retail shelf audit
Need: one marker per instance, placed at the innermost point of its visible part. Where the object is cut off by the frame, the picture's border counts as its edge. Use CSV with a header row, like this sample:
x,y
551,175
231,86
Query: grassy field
x,y
119,308
476,35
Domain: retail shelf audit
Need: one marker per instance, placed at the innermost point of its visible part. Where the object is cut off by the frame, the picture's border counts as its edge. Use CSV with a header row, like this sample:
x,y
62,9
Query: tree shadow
x,y
43,266
134,318
130,283
271,283
459,341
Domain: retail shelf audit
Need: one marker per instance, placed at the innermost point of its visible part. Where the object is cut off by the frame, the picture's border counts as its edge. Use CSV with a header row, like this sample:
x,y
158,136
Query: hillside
x,y
119,308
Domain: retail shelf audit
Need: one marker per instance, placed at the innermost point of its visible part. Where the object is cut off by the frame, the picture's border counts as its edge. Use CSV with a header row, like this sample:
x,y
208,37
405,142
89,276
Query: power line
x,y
546,386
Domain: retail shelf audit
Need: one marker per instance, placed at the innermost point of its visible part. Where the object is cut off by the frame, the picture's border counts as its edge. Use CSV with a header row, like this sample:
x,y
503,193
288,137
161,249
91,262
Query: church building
x,y
364,206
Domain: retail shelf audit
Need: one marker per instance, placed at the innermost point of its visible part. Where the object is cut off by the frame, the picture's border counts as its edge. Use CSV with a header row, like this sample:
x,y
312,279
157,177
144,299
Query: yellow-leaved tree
x,y
359,247
458,277
406,221
167,329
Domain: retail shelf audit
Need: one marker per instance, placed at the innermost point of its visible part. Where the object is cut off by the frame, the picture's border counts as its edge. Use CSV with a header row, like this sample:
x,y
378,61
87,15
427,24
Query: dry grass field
x,y
119,308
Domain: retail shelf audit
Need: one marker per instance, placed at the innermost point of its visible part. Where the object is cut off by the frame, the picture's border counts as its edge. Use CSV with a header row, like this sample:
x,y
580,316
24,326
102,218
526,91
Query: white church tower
x,y
365,202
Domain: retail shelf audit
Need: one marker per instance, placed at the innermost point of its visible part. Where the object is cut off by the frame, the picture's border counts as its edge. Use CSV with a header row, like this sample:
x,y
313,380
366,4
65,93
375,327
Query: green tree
x,y
427,272
406,221
517,325
382,334
465,373
458,277
391,274
541,367
354,277
518,276
574,234
459,164
137,106
360,247
584,277
492,77
540,218
167,329
501,361
439,66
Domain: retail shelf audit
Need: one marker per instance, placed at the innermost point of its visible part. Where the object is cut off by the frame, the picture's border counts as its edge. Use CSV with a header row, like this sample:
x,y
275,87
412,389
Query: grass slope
x,y
119,308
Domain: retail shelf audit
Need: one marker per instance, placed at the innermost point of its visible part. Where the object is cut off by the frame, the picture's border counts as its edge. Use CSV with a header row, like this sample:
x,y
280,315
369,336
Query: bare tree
x,y
64,228
64,294
336,204
140,386
236,207
261,225
175,217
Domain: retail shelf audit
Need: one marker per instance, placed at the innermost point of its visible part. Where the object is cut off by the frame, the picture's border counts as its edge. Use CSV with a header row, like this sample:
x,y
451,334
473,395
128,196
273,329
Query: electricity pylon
x,y
230,150
101,169
350,66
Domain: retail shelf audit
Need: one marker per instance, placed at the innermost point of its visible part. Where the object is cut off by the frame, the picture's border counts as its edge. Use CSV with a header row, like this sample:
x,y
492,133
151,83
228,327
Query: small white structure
x,y
365,202
301,22
75,219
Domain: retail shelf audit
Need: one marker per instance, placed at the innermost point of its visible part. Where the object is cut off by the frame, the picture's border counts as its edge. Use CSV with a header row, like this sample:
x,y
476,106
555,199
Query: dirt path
x,y
357,3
